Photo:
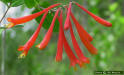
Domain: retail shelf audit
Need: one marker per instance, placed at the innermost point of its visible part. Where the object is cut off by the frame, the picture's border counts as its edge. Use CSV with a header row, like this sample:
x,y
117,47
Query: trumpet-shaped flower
x,y
15,21
98,19
84,39
81,29
60,41
77,49
70,54
48,35
66,25
31,41
75,58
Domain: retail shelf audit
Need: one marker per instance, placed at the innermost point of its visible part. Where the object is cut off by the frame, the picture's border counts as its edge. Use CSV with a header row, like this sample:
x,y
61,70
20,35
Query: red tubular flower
x,y
66,25
31,41
84,39
78,51
60,41
15,21
70,54
81,29
48,35
98,19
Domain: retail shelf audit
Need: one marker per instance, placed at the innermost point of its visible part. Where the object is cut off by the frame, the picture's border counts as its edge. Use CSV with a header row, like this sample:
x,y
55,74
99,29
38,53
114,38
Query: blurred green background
x,y
108,41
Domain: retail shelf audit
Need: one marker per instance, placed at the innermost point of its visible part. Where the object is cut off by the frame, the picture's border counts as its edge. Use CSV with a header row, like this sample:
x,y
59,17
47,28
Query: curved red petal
x,y
48,35
33,38
70,54
85,40
24,19
81,29
60,42
21,48
77,48
98,19
66,25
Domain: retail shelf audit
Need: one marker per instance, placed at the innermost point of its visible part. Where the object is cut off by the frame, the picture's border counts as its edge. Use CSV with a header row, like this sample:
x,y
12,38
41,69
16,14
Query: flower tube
x,y
70,54
77,49
48,35
66,25
21,20
84,39
98,19
33,38
60,41
81,29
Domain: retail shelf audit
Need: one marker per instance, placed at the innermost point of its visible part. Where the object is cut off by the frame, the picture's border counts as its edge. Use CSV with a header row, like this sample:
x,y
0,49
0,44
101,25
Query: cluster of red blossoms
x,y
62,41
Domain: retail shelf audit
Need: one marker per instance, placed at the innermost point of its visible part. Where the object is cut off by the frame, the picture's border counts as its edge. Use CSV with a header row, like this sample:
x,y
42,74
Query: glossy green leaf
x,y
17,3
29,3
48,19
18,26
14,3
6,1
45,4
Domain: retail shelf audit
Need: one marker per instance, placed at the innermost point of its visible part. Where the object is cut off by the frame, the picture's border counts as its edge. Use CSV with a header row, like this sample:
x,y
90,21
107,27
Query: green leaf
x,y
6,1
45,4
17,3
29,3
48,19
14,3
18,26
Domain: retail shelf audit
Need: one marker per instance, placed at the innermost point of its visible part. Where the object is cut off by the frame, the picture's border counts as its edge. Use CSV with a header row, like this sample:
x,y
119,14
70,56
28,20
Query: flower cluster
x,y
86,39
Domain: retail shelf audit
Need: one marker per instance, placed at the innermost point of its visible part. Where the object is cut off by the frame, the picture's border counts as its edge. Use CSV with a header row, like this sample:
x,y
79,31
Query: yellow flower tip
x,y
9,19
23,55
38,46
9,25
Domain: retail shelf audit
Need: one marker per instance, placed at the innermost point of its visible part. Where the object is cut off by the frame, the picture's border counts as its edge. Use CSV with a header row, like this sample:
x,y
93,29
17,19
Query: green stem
x,y
3,53
5,13
3,44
